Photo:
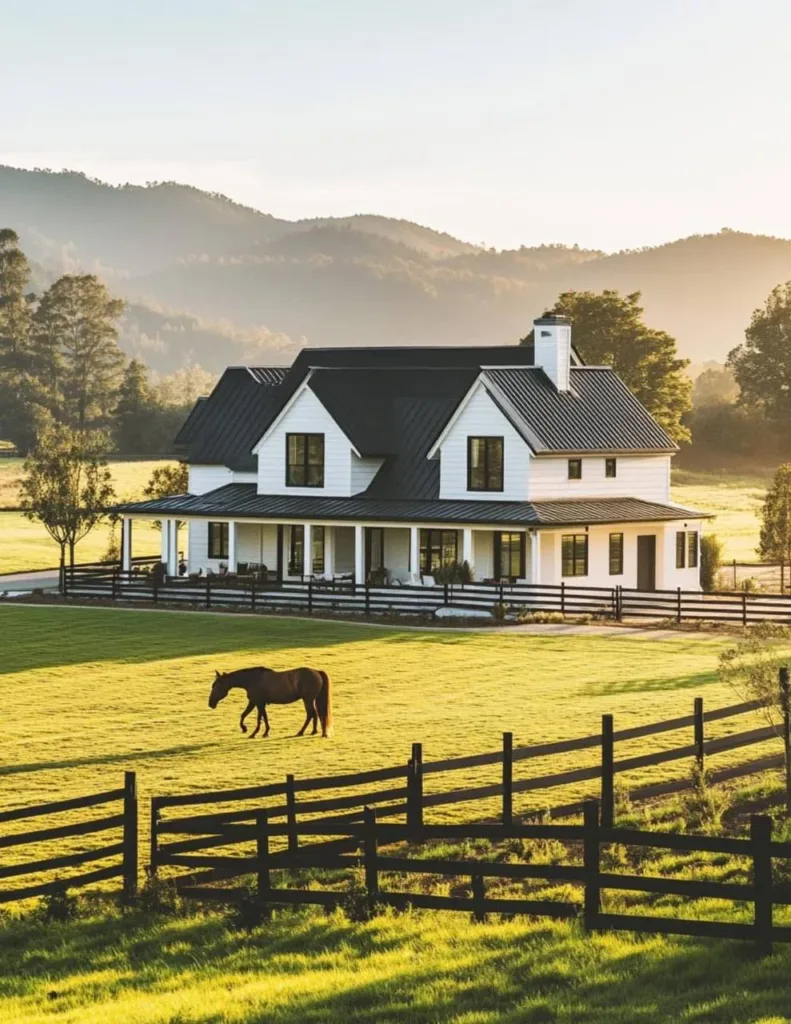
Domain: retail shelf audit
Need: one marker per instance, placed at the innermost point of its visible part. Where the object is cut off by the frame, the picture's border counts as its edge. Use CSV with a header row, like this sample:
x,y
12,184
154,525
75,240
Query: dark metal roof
x,y
267,374
597,414
240,501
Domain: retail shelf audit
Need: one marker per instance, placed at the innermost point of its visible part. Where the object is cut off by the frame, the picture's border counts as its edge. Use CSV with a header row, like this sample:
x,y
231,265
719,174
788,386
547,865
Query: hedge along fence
x,y
409,801
369,835
311,597
122,852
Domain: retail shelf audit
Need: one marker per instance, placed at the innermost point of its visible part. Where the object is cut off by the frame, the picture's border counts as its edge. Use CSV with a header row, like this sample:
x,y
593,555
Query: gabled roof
x,y
241,501
597,414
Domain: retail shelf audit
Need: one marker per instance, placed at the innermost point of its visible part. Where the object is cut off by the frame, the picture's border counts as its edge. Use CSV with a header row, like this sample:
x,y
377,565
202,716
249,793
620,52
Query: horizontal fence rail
x,y
344,596
122,850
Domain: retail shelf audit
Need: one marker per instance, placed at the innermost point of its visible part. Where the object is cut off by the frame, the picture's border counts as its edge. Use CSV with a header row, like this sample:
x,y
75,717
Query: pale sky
x,y
610,123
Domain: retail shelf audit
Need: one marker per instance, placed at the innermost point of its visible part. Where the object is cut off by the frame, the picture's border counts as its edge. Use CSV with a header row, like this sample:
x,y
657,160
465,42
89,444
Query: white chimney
x,y
552,349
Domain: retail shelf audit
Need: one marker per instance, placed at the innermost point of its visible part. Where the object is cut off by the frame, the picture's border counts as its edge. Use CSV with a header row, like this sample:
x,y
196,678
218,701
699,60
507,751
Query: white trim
x,y
284,411
477,383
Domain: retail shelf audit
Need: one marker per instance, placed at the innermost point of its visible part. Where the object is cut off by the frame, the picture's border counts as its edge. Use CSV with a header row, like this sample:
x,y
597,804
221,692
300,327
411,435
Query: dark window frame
x,y
488,442
218,540
616,561
692,549
579,554
575,469
516,549
296,550
681,549
611,464
433,545
303,466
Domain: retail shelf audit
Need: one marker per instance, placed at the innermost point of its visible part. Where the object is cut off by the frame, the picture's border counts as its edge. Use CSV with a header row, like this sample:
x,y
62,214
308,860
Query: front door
x,y
646,563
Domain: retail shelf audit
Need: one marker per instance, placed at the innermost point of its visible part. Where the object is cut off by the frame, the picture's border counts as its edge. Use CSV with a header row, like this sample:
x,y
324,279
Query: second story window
x,y
575,469
611,468
304,460
484,464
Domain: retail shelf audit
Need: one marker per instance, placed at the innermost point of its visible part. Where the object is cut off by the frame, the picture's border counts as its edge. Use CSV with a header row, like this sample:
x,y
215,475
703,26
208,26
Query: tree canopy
x,y
775,543
608,328
762,365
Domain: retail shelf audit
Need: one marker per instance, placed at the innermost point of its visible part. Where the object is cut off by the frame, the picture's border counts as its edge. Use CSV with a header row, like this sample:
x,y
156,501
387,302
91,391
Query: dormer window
x,y
304,460
484,463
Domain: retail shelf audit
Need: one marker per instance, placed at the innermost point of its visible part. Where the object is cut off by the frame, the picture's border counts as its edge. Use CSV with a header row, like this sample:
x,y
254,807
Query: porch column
x,y
359,554
232,559
414,549
126,544
535,557
329,550
466,546
164,540
173,548
307,560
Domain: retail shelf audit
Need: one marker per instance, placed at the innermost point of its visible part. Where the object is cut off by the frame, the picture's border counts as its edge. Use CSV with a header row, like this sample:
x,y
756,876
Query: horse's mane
x,y
244,671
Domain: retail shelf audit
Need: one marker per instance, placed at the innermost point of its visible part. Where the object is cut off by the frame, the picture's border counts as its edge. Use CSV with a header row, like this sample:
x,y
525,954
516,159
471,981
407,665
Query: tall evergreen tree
x,y
608,328
133,411
762,365
77,349
15,411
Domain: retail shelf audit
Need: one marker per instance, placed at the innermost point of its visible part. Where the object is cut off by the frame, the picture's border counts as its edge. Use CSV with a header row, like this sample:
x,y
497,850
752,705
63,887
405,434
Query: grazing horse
x,y
265,686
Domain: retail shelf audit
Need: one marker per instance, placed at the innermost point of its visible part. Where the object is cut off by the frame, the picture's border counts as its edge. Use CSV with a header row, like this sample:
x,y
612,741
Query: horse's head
x,y
219,689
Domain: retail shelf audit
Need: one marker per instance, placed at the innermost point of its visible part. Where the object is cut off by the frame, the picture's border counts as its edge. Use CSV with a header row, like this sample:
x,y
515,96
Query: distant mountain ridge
x,y
212,281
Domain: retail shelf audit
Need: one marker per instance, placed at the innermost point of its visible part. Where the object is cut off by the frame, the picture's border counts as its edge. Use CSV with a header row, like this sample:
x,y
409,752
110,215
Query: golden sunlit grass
x,y
736,502
27,545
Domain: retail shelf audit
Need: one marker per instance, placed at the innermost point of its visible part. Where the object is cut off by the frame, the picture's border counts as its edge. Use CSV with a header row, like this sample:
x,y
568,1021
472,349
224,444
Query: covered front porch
x,y
359,552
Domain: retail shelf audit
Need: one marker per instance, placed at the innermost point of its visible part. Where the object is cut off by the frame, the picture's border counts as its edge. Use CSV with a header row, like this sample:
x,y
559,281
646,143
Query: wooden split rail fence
x,y
617,603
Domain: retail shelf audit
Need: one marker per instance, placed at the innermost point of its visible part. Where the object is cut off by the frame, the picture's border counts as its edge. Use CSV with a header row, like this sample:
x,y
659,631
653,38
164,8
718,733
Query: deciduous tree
x,y
775,543
608,328
762,365
66,485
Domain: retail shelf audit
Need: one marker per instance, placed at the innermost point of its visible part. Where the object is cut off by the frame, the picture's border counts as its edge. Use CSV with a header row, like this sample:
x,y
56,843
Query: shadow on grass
x,y
407,970
132,755
77,636
642,685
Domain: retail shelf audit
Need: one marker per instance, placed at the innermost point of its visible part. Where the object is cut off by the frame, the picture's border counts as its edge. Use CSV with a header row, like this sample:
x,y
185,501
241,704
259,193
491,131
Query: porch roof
x,y
240,501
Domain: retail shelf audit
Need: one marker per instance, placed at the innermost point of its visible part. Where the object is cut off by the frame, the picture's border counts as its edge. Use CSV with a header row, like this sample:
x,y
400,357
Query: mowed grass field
x,y
87,693
27,545
735,500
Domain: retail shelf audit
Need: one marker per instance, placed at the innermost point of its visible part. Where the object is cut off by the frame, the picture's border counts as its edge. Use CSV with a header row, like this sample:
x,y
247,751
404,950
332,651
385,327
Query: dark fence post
x,y
700,752
502,595
785,705
562,597
252,595
607,772
367,597
291,815
479,899
62,578
445,593
370,857
208,591
678,606
761,836
508,778
130,837
734,574
113,584
155,576
310,595
263,886
415,788
590,855
152,839
744,607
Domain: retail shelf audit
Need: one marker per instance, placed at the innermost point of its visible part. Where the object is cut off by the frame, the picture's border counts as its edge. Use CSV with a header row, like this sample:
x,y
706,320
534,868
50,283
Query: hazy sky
x,y
611,123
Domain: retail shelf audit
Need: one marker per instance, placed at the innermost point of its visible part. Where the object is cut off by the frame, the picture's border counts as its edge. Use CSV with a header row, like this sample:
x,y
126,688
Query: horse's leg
x,y
266,721
309,713
245,713
257,729
315,718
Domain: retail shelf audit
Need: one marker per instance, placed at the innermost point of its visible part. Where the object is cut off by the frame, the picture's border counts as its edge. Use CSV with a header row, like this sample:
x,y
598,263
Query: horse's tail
x,y
324,704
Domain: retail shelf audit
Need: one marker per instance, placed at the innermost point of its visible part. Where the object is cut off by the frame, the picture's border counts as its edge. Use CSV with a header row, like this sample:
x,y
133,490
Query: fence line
x,y
619,603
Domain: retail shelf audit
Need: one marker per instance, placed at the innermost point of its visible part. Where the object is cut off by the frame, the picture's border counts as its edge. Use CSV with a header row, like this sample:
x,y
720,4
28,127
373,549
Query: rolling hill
x,y
212,281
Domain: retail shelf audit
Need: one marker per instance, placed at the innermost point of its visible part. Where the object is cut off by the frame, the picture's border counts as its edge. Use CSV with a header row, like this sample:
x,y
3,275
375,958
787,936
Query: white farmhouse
x,y
522,462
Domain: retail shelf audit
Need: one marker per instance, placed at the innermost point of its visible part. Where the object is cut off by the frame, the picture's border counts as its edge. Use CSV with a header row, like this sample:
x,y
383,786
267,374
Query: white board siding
x,y
344,549
638,476
363,472
397,552
483,554
257,542
203,479
481,418
306,416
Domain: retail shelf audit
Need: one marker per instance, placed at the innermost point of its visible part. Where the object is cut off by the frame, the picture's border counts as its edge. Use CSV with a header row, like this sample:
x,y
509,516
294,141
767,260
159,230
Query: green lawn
x,y
26,545
407,969
90,692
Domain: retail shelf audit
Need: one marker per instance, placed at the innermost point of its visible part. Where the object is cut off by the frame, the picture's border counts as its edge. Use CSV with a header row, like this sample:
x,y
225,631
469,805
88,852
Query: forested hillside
x,y
214,282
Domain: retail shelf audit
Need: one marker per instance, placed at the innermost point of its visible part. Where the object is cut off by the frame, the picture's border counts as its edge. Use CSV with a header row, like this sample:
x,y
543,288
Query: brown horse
x,y
265,686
